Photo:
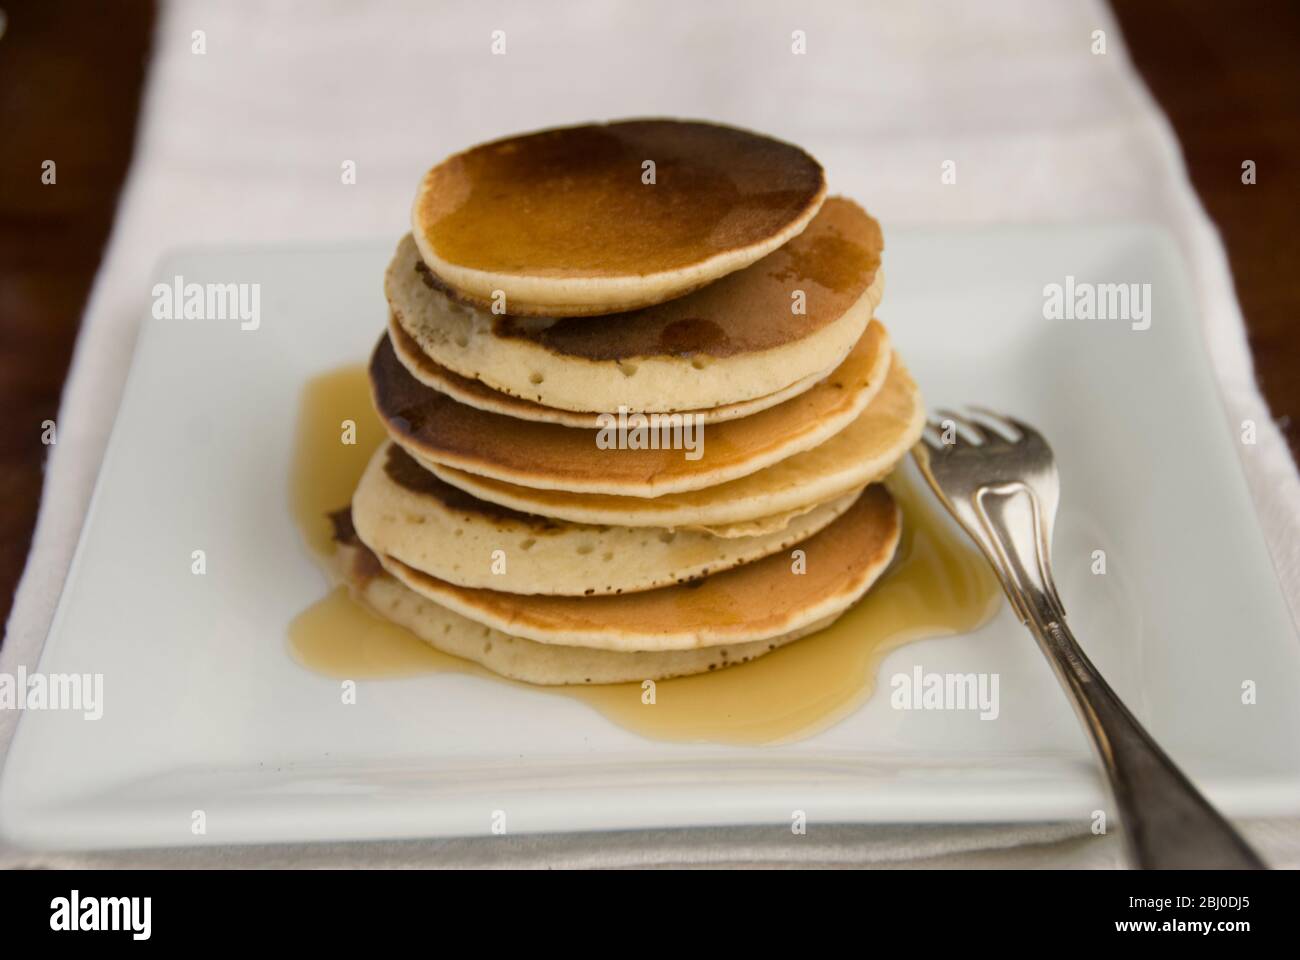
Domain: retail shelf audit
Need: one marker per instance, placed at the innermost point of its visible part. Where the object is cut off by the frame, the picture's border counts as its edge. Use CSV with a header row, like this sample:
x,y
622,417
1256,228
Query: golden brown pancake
x,y
526,660
792,314
760,600
865,450
564,222
403,511
476,393
436,429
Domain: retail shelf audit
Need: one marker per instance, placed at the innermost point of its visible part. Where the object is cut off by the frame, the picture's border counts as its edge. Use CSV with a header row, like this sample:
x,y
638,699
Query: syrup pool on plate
x,y
938,585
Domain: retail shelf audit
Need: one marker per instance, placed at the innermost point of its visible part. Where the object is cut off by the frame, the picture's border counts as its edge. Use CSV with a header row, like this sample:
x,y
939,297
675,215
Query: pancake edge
x,y
542,664
522,408
810,435
578,384
414,521
709,635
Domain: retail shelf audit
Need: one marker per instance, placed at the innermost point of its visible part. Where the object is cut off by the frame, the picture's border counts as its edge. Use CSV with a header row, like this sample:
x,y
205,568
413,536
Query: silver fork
x,y
998,478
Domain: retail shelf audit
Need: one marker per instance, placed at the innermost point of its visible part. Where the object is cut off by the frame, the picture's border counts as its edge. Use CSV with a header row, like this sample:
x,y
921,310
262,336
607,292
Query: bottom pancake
x,y
544,664
781,594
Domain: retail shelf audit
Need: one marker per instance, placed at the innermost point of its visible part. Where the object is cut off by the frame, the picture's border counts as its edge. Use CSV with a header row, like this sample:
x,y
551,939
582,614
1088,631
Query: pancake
x,y
864,451
544,664
562,222
735,340
756,527
435,429
403,511
757,601
477,394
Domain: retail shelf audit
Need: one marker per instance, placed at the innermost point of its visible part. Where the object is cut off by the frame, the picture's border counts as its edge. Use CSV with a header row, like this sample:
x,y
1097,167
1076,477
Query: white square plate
x,y
205,709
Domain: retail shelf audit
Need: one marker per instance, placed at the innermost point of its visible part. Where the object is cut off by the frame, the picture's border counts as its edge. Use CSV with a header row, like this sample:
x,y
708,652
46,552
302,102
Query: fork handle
x,y
1168,824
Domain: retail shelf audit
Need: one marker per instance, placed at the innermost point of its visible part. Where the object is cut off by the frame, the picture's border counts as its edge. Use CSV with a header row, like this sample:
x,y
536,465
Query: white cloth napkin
x,y
245,144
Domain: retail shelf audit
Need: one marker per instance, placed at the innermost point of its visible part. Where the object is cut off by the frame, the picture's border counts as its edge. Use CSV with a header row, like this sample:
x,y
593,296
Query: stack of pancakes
x,y
559,284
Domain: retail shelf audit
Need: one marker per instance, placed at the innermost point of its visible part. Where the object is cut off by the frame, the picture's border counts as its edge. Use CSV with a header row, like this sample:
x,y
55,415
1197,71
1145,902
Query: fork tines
x,y
980,424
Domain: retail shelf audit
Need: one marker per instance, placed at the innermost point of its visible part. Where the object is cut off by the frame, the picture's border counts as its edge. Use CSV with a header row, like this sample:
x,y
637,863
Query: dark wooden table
x,y
71,73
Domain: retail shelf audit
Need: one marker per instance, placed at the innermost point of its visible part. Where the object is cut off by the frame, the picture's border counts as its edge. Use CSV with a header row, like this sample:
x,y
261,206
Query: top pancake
x,y
564,222
794,313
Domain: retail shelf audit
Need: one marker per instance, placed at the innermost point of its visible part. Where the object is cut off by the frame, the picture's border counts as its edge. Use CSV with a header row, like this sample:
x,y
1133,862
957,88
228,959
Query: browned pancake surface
x,y
402,469
757,599
571,202
833,262
439,428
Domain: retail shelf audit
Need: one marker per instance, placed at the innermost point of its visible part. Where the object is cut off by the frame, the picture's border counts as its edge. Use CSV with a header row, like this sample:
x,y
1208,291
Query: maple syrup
x,y
578,201
938,585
